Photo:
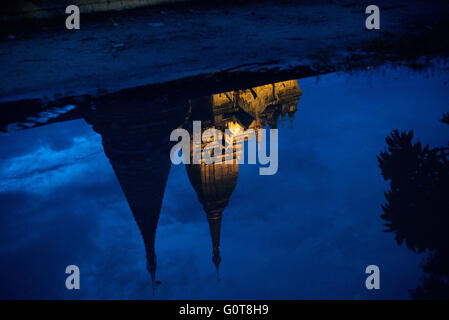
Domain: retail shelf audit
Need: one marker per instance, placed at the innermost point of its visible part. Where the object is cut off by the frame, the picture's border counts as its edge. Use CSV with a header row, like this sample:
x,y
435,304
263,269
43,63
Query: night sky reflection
x,y
307,232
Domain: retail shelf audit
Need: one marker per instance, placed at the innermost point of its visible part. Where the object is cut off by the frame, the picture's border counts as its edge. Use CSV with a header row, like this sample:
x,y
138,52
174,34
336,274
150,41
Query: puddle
x,y
99,191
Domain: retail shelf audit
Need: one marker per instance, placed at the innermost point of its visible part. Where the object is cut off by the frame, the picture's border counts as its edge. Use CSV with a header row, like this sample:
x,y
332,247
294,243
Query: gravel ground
x,y
119,50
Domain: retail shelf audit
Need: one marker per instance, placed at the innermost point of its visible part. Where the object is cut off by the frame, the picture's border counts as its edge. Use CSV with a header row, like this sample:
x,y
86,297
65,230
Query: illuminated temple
x,y
136,142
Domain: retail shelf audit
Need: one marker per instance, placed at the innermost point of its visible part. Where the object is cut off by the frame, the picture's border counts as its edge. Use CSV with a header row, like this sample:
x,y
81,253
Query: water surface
x,y
71,193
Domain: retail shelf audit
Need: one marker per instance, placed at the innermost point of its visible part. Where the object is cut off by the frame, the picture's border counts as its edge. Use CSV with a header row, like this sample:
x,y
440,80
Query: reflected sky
x,y
307,232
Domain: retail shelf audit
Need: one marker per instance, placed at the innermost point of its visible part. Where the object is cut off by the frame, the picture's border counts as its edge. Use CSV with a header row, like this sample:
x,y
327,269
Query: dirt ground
x,y
119,50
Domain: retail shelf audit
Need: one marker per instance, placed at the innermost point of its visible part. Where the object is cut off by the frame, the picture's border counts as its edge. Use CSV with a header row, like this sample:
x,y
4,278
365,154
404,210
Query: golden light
x,y
234,127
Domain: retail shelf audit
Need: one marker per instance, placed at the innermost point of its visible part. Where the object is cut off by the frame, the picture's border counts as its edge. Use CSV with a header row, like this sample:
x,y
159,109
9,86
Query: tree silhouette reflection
x,y
417,206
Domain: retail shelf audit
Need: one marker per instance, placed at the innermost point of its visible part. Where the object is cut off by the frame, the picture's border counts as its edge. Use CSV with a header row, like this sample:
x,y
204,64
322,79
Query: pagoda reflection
x,y
136,142
236,111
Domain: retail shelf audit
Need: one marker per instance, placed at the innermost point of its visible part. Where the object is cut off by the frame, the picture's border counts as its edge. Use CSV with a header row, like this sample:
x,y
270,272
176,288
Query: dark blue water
x,y
307,232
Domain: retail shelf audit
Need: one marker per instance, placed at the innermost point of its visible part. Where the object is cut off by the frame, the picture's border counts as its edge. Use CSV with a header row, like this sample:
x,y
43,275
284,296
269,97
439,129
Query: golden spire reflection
x,y
236,111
